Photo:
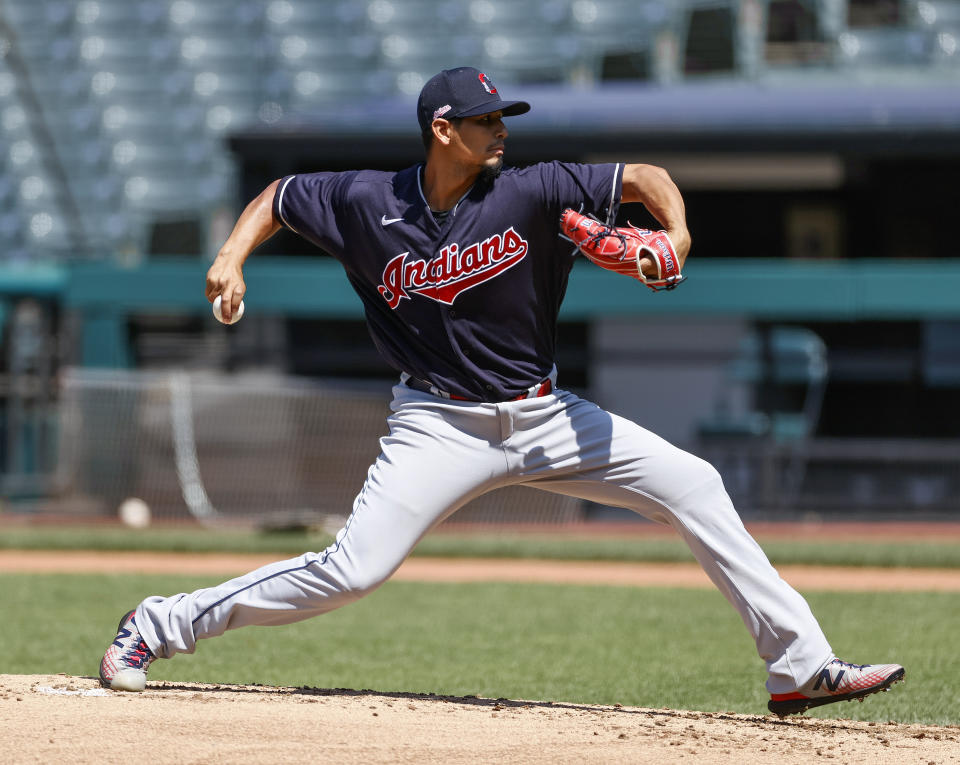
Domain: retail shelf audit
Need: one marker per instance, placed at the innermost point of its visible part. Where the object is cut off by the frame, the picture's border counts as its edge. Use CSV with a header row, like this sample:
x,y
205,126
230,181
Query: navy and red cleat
x,y
124,665
836,681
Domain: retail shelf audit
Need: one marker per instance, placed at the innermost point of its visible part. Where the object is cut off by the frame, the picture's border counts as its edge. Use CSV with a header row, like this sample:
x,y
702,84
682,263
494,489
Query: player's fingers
x,y
237,296
230,301
648,267
214,285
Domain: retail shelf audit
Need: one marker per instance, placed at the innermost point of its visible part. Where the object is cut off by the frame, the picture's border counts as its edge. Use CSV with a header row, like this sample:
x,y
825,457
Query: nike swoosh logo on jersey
x,y
385,221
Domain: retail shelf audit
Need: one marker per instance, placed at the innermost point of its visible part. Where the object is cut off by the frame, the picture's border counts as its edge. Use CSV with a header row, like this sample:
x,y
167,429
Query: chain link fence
x,y
257,449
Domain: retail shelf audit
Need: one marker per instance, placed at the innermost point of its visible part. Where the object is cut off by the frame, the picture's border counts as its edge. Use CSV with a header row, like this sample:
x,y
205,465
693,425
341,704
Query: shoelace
x,y
138,656
848,664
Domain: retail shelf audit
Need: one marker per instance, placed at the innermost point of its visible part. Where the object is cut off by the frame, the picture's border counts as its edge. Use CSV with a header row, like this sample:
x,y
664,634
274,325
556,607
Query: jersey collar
x,y
453,211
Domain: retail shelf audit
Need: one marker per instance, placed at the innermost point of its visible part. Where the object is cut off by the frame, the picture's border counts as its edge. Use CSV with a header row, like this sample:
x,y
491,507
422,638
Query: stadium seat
x,y
939,14
25,158
522,57
284,17
216,54
47,53
29,16
616,20
215,87
401,16
49,230
495,16
769,405
96,188
404,52
235,19
36,188
885,48
321,51
127,53
120,18
168,193
8,195
56,88
140,157
308,88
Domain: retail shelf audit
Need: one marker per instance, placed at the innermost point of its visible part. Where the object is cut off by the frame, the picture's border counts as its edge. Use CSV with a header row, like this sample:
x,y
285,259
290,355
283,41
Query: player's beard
x,y
491,172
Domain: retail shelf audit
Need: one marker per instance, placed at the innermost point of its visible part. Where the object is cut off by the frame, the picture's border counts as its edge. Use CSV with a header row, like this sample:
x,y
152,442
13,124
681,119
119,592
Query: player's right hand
x,y
225,278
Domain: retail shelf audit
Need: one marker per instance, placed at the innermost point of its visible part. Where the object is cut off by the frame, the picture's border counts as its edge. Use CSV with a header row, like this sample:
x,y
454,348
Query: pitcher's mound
x,y
57,718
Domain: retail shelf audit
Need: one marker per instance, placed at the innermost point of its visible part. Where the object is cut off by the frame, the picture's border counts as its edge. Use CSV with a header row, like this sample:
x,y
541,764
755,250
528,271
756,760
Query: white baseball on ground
x,y
135,513
237,315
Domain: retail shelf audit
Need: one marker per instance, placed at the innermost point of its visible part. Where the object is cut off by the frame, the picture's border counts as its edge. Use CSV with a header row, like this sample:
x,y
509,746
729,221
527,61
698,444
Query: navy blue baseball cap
x,y
462,92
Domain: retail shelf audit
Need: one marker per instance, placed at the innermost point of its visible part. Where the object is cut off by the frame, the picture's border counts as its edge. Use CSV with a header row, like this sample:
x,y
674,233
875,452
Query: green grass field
x,y
829,550
681,649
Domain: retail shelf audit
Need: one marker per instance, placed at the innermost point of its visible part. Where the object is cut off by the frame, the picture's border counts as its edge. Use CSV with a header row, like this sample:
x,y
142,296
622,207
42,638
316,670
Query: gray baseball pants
x,y
440,454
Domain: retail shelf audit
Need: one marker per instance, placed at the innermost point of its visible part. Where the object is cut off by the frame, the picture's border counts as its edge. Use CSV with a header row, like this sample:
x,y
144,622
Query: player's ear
x,y
442,130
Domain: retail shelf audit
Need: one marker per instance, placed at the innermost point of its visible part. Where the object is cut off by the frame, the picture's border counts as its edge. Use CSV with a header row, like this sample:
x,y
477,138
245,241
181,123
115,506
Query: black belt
x,y
542,388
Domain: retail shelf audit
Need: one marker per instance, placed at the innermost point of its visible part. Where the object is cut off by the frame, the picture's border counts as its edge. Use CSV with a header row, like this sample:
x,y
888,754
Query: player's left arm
x,y
654,188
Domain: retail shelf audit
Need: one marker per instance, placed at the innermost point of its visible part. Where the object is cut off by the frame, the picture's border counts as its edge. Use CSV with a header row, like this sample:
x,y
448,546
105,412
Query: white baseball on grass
x,y
135,513
237,315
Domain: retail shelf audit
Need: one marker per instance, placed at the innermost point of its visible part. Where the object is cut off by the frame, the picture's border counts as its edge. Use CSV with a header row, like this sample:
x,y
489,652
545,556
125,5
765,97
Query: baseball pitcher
x,y
461,266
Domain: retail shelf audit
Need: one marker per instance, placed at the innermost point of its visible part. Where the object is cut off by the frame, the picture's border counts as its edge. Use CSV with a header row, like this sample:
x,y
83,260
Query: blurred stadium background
x,y
814,355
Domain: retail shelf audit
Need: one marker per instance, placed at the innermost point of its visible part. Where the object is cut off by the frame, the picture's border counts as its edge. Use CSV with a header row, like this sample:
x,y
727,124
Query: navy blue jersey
x,y
469,305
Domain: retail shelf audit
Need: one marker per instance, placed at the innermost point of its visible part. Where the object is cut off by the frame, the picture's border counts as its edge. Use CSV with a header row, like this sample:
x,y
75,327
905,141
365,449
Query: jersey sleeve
x,y
313,206
592,189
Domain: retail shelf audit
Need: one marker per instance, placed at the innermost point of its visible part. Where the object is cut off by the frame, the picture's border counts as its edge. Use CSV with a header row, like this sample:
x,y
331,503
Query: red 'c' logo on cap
x,y
487,85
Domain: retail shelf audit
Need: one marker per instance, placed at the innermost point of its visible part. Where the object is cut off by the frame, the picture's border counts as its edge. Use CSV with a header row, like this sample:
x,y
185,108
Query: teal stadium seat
x,y
768,408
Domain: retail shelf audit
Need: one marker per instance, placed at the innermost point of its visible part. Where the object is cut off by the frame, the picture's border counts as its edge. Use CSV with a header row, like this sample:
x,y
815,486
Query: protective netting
x,y
252,448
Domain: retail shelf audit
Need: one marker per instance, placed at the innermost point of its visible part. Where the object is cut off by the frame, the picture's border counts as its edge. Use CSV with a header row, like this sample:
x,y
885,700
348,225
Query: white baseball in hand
x,y
237,315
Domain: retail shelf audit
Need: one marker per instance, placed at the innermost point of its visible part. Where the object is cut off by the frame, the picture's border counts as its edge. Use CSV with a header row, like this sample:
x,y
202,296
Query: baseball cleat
x,y
124,665
837,681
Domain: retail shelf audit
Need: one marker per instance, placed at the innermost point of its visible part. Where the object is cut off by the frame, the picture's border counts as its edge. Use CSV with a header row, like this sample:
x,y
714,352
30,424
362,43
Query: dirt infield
x,y
54,718
485,570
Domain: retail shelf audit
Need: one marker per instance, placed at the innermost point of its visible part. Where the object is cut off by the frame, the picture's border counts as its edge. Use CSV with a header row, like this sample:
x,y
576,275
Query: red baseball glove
x,y
620,249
